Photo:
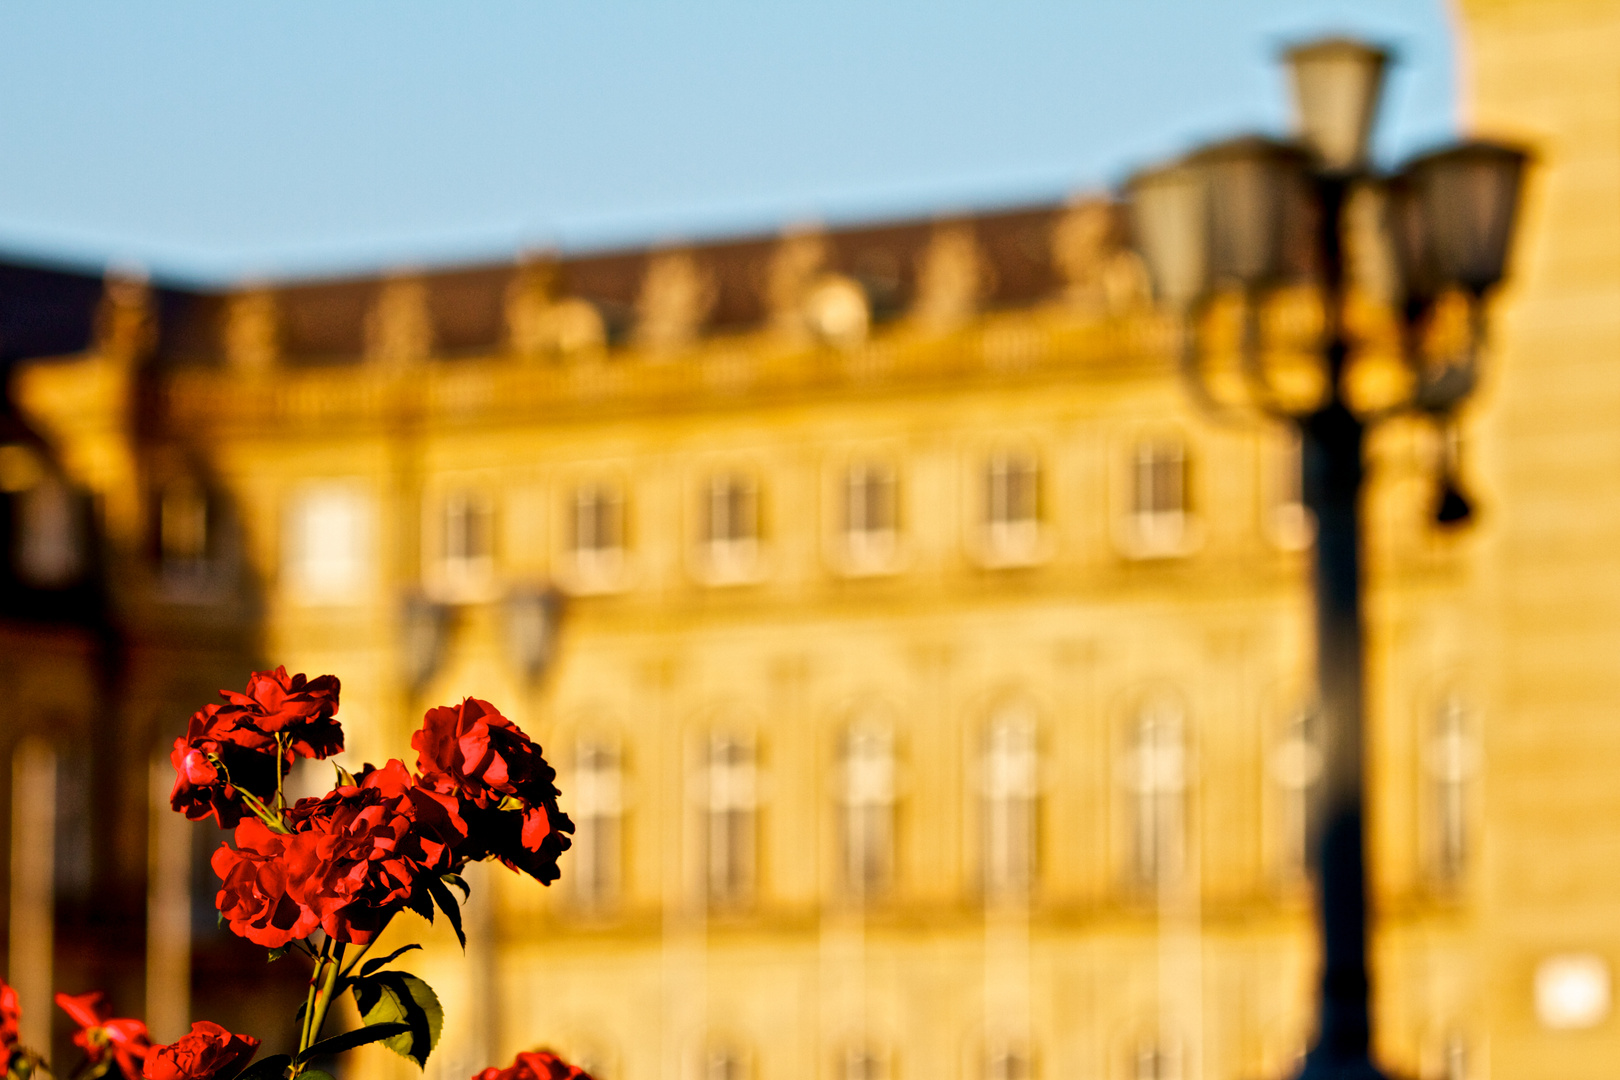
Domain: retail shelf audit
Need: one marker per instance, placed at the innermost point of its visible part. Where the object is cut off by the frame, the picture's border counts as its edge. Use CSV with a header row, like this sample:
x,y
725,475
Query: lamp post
x,y
1236,222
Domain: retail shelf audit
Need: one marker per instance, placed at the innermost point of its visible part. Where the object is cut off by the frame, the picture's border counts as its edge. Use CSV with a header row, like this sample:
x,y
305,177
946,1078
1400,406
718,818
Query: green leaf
x,y
459,882
344,777
276,954
314,1074
339,1044
266,1068
447,904
395,996
382,961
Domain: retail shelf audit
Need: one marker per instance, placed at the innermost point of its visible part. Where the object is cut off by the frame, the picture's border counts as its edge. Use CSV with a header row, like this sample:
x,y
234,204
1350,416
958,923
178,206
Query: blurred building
x,y
928,680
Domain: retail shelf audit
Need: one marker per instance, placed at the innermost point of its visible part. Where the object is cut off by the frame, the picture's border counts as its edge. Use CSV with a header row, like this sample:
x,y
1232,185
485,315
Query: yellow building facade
x,y
927,679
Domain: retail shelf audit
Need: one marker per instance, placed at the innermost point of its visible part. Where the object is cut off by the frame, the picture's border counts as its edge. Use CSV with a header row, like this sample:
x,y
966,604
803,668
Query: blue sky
x,y
213,142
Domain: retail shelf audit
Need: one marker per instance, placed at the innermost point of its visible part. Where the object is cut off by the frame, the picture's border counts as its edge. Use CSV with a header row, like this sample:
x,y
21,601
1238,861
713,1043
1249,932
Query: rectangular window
x,y
867,809
1159,511
596,538
327,543
730,533
596,806
1156,777
870,517
729,821
1012,508
1009,787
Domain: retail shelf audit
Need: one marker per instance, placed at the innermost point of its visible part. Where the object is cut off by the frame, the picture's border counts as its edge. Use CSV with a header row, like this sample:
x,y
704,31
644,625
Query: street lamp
x,y
1240,220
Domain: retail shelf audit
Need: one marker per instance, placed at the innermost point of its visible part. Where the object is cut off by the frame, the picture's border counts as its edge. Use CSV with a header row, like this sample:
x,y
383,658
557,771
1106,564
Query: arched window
x,y
1296,763
1156,781
866,808
1009,779
730,811
1451,761
596,805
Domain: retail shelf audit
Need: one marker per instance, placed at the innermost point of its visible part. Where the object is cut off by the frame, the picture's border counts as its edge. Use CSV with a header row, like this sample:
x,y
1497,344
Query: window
x,y
1296,763
1011,509
596,806
1158,520
1156,777
49,551
729,812
867,809
466,546
1152,1059
730,532
862,1061
871,527
182,527
723,1062
1009,785
1005,1061
327,543
188,544
1452,758
596,537
1288,523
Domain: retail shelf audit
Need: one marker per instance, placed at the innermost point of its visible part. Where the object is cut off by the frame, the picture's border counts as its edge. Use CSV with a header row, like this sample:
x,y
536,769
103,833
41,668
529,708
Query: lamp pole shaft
x,y
1332,448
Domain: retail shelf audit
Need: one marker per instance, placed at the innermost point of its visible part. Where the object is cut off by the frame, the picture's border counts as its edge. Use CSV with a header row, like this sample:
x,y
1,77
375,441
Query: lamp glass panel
x,y
1167,208
1258,209
1336,90
1468,199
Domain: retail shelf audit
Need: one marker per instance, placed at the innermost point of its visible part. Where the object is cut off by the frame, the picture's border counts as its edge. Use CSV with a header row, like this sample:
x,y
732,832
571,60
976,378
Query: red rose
x,y
101,1035
208,1052
375,841
535,1065
529,840
301,707
476,752
472,751
246,760
262,884
10,1017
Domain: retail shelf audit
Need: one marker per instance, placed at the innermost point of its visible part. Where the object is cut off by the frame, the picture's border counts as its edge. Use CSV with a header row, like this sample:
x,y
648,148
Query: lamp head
x,y
1459,205
1260,208
1337,84
1169,224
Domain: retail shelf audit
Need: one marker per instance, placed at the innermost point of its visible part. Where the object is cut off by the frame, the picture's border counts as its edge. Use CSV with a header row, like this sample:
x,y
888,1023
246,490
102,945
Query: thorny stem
x,y
309,999
281,761
332,959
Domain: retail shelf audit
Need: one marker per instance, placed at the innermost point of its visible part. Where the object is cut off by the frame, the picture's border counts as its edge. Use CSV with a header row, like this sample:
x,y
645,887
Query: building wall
x,y
1547,74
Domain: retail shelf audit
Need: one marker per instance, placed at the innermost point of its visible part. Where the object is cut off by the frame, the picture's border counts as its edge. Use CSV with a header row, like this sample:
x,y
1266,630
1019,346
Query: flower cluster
x,y
324,875
347,862
235,754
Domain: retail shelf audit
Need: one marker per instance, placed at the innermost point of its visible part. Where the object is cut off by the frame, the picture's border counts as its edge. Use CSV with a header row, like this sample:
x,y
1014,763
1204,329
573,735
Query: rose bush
x,y
327,875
